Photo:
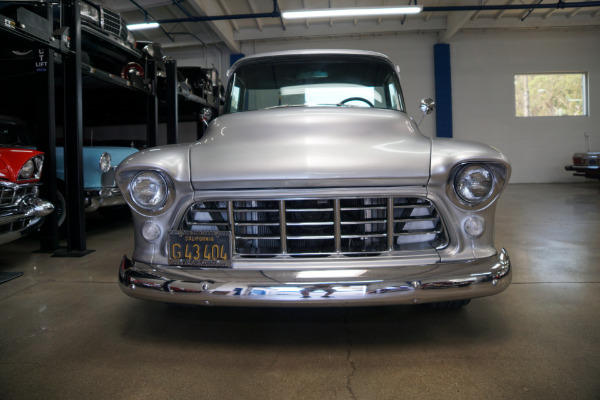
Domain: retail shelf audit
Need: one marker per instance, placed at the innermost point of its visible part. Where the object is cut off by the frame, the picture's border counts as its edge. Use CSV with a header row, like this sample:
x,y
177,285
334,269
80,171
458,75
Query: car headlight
x,y
105,162
28,170
149,190
474,183
90,12
32,169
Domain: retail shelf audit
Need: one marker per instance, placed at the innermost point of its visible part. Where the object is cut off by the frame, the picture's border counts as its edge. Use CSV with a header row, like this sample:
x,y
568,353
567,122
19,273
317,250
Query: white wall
x,y
483,67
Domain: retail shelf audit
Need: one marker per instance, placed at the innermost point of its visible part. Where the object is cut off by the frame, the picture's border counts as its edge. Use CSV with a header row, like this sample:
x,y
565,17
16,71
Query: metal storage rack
x,y
76,76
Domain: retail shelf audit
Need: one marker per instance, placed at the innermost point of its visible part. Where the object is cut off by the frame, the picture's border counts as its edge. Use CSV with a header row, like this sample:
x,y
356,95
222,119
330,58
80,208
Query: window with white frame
x,y
551,94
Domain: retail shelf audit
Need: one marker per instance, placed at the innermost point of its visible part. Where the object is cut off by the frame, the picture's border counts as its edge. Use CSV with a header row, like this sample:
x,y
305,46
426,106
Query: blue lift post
x,y
443,90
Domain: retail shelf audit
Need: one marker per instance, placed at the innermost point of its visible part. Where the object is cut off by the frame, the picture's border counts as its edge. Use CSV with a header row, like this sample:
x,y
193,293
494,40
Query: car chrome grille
x,y
11,194
113,23
322,227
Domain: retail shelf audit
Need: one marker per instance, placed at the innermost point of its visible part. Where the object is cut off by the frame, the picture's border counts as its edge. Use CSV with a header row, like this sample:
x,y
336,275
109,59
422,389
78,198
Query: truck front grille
x,y
322,227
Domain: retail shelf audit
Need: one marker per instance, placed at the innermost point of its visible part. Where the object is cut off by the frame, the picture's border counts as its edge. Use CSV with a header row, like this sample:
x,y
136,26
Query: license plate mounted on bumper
x,y
200,248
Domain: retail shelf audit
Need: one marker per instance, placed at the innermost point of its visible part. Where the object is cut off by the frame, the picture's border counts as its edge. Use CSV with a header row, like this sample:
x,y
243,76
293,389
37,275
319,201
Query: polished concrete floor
x,y
68,332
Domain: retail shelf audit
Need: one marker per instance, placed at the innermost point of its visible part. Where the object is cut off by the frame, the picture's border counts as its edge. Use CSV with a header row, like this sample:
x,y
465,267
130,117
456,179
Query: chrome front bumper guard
x,y
31,210
106,197
289,288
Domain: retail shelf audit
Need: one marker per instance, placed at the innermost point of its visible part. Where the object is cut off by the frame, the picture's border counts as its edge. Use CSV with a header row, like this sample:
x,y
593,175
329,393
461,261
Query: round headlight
x,y
28,170
149,190
105,162
474,183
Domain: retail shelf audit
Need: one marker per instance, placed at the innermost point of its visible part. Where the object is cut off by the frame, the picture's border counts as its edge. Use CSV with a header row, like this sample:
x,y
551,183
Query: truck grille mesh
x,y
322,227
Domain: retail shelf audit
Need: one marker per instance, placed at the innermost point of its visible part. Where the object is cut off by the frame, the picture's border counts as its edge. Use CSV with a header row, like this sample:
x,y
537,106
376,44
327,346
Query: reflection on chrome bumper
x,y
106,197
22,219
320,288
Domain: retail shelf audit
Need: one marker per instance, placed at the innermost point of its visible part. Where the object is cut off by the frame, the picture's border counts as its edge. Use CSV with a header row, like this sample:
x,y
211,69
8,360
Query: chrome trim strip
x,y
390,223
282,226
337,226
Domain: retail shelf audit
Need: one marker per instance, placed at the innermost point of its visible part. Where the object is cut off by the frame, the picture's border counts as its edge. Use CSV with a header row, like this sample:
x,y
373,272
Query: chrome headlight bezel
x,y
474,183
105,162
491,174
154,202
32,169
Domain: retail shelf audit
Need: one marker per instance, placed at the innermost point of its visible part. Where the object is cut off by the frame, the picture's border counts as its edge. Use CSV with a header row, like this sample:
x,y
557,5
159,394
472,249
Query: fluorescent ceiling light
x,y
145,25
351,12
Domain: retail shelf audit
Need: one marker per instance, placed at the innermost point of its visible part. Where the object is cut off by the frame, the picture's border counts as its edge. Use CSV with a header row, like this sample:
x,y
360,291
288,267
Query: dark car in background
x,y
586,165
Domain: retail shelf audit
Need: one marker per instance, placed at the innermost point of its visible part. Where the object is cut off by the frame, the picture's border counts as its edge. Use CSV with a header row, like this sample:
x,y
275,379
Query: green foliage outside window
x,y
545,95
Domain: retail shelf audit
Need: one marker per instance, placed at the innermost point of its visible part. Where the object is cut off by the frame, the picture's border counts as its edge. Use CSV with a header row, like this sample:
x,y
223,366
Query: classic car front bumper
x,y
360,286
106,197
20,220
592,171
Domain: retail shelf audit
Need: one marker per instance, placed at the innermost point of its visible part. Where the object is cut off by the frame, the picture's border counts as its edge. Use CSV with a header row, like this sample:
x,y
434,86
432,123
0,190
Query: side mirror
x,y
427,106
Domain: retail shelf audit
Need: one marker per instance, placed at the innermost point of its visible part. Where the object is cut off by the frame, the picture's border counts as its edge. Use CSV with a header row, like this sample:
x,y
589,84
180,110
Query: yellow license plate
x,y
200,248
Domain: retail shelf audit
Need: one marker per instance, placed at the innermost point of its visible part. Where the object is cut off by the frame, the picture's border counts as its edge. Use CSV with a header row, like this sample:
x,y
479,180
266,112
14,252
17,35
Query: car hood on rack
x,y
293,147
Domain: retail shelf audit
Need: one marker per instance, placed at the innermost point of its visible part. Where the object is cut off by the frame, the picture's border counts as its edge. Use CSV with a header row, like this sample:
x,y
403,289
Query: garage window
x,y
551,95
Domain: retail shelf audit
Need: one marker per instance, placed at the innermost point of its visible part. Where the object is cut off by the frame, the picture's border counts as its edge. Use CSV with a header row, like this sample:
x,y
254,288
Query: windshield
x,y
342,81
12,135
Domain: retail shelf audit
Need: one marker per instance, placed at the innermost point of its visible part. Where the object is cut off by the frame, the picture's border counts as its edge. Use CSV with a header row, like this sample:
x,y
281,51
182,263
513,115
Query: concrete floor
x,y
68,332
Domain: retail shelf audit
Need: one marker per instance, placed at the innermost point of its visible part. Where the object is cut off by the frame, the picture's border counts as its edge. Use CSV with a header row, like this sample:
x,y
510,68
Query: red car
x,y
21,211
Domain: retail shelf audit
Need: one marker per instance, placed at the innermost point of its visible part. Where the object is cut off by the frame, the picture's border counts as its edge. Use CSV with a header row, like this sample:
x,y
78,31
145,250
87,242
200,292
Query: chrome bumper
x,y
106,197
22,219
325,288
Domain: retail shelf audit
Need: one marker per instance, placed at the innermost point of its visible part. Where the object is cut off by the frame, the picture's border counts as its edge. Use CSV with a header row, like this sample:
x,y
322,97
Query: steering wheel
x,y
357,99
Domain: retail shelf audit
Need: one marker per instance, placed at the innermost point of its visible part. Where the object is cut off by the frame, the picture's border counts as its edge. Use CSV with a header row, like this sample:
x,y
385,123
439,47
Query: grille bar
x,y
11,194
322,227
112,22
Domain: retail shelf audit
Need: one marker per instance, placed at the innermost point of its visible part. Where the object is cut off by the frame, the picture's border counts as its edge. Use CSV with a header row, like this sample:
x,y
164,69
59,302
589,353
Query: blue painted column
x,y
234,57
443,89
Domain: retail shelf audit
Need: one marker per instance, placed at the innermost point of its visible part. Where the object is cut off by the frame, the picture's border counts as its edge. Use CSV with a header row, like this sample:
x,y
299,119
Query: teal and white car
x,y
99,164
100,188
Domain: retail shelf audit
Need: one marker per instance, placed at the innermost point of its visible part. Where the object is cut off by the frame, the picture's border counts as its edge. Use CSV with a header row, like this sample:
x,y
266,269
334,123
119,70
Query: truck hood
x,y
297,147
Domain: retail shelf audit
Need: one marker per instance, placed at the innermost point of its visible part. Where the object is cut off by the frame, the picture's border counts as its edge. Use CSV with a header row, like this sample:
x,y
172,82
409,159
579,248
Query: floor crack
x,y
351,363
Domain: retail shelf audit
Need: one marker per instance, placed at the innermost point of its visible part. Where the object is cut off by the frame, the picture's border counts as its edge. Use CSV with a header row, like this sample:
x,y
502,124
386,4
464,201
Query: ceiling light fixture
x,y
144,25
351,12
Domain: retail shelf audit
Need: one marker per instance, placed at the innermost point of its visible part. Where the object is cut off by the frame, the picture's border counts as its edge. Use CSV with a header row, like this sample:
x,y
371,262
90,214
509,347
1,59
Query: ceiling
x,y
254,20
